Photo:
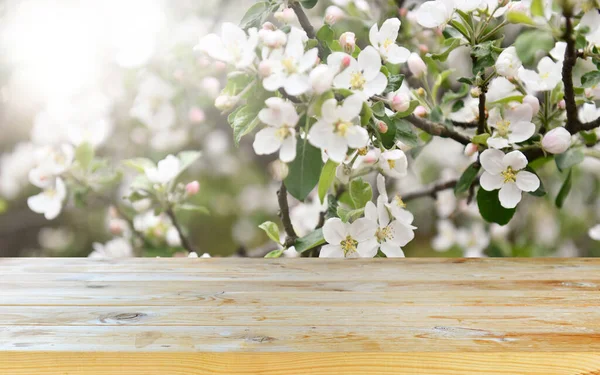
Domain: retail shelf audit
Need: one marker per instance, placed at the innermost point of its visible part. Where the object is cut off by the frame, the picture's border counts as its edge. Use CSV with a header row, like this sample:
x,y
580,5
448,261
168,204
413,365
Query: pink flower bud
x,y
346,61
383,128
268,26
533,102
402,12
287,15
589,92
220,66
562,104
264,68
116,227
348,41
196,115
333,14
400,102
416,65
192,188
471,149
420,111
423,48
225,102
557,141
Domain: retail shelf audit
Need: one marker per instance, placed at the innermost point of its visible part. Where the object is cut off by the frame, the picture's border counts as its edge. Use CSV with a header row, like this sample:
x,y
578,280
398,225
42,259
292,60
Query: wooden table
x,y
300,316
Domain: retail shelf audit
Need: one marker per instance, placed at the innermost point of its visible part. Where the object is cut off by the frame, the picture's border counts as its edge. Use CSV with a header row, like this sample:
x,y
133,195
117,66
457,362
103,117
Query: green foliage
x,y
139,164
466,179
519,18
480,139
192,207
450,44
394,82
257,14
491,209
529,42
537,8
590,79
243,120
272,230
564,190
310,241
326,178
360,192
569,158
308,4
84,154
275,253
304,171
349,215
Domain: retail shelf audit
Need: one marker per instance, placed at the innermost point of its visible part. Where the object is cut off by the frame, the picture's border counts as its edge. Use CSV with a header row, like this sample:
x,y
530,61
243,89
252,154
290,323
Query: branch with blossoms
x,y
338,110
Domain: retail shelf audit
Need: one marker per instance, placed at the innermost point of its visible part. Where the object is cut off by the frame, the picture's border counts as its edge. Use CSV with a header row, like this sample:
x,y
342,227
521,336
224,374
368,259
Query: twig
x,y
430,191
437,129
481,121
306,25
567,75
284,215
466,125
184,241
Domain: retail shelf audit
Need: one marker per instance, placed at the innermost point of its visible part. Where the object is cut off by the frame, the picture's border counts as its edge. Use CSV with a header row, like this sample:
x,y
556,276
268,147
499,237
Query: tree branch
x,y
430,191
573,123
284,215
437,129
184,241
481,120
306,25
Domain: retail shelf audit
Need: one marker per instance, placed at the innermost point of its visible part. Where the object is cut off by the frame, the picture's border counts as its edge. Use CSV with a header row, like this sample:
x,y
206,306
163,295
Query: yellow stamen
x,y
509,175
399,202
503,127
387,43
341,127
289,65
384,234
391,163
282,133
357,81
349,245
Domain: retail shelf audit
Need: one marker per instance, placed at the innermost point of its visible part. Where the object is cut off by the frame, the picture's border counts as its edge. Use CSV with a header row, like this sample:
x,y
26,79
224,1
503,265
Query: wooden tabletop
x,y
303,316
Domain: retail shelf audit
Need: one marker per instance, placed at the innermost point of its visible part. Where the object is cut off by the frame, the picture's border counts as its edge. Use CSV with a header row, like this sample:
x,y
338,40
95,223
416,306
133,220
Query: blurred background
x,y
123,76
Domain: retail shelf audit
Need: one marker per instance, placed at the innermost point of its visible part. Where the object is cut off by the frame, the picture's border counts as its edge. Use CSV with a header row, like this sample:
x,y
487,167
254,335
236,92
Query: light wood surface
x,y
300,316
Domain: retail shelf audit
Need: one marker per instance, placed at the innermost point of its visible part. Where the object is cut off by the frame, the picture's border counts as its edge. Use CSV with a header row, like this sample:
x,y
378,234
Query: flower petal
x,y
402,233
362,229
514,159
351,108
287,152
357,136
335,231
297,84
331,251
491,160
375,86
397,54
368,249
509,195
491,182
266,141
369,62
391,251
527,181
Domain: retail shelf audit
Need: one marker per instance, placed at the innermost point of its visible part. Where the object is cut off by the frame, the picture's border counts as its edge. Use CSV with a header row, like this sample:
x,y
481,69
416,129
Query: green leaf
x,y
491,209
460,27
394,82
378,109
349,215
590,79
529,42
272,230
318,102
84,154
236,82
365,114
310,241
360,192
480,139
192,207
519,18
541,191
452,44
304,171
537,8
139,164
244,121
308,4
564,190
466,179
275,253
326,178
404,133
325,34
569,158
256,15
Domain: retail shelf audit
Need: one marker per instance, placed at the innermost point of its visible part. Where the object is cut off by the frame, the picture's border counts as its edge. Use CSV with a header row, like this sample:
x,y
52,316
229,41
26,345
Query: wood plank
x,y
361,338
49,363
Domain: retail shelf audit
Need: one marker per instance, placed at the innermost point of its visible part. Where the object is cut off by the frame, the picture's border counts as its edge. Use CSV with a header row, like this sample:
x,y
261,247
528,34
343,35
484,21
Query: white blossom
x,y
232,47
594,232
514,127
280,134
363,76
557,140
393,163
548,75
501,88
505,172
49,202
435,13
591,19
384,40
165,171
337,128
508,63
347,240
115,248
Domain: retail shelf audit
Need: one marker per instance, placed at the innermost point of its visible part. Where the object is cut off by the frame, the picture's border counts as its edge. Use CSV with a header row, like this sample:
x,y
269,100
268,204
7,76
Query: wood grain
x,y
300,316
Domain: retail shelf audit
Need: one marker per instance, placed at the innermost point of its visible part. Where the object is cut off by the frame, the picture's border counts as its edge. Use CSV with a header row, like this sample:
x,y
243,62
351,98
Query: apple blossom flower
x,y
347,240
321,78
290,66
533,102
416,65
53,162
333,14
172,237
514,127
446,236
226,102
473,240
115,248
501,88
286,15
420,111
396,206
558,52
508,63
471,149
384,40
272,38
588,112
337,128
196,115
393,163
435,13
468,113
49,202
165,171
363,76
557,140
594,232
548,75
233,47
280,134
348,41
505,172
